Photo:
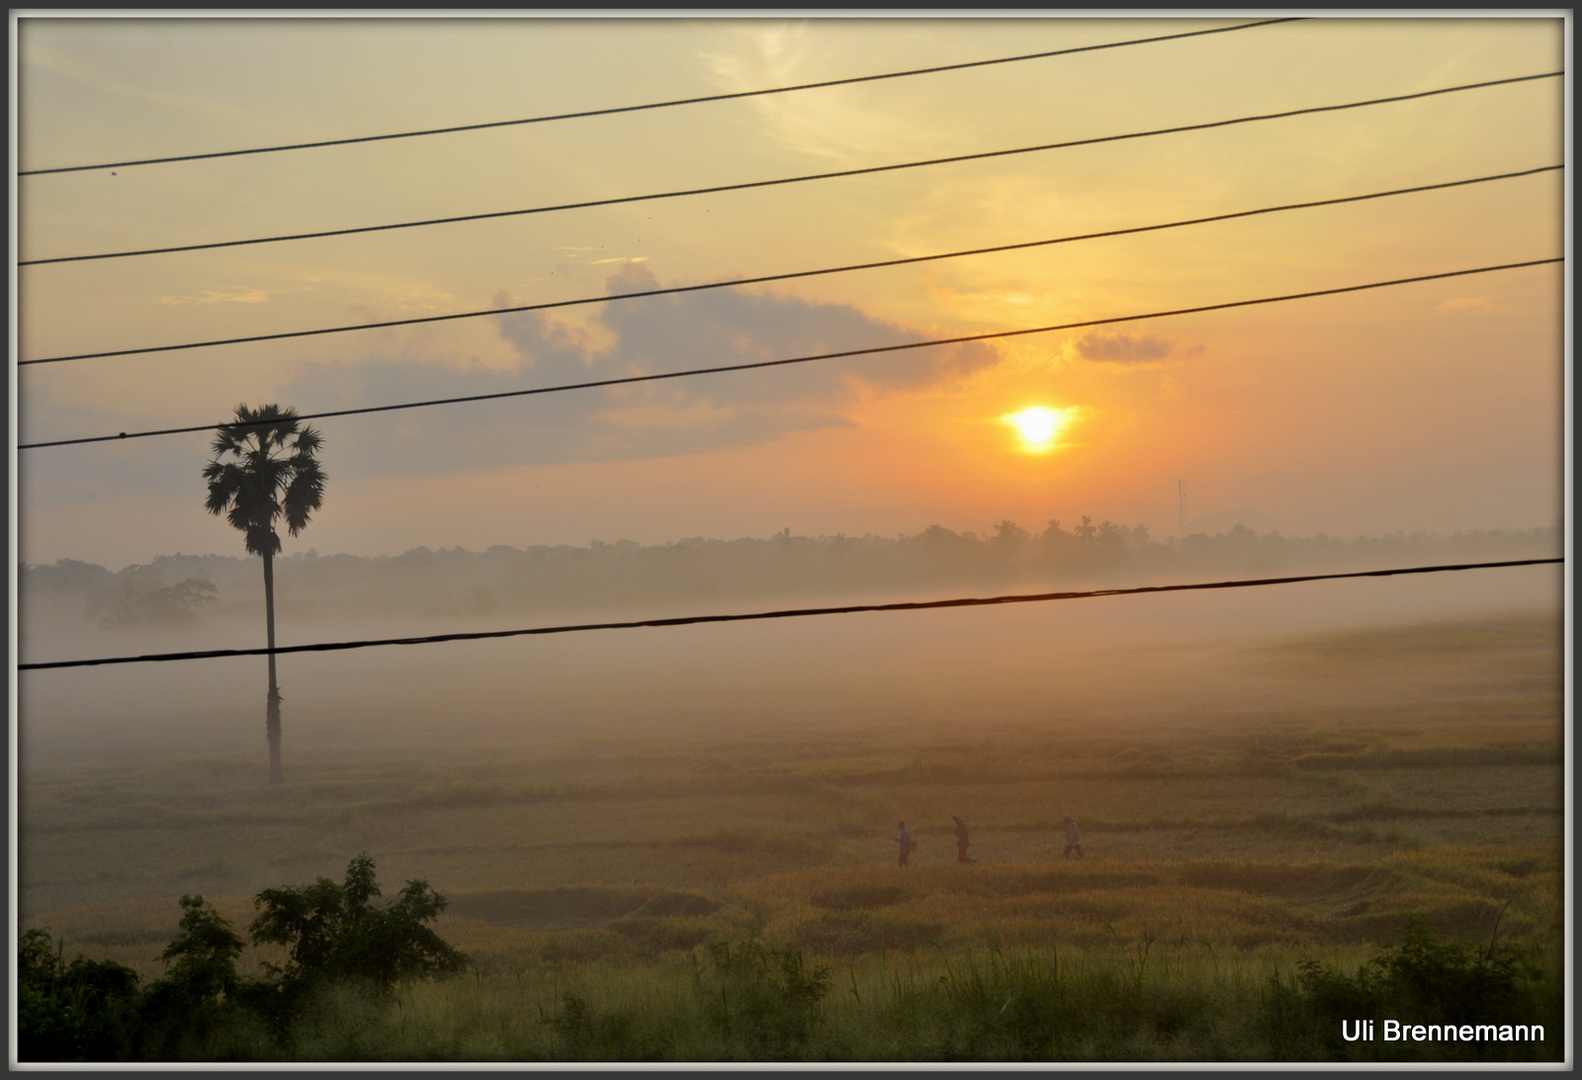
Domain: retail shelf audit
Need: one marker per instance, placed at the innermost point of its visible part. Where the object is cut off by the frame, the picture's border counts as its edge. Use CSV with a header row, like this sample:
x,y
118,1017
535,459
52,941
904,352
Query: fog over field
x,y
1262,775
1077,663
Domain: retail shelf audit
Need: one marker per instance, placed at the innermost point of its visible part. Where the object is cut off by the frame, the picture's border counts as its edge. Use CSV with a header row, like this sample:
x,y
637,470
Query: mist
x,y
1071,665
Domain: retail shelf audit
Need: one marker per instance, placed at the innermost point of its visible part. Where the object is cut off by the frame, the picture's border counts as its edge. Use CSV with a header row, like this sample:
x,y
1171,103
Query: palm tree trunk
x,y
272,711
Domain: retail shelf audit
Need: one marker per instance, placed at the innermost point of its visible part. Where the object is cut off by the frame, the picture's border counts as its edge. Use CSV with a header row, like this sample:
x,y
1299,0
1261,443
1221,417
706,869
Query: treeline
x,y
178,589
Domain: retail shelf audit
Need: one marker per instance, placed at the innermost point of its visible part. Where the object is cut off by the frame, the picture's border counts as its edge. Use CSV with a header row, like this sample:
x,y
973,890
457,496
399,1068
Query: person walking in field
x,y
1073,839
905,840
961,840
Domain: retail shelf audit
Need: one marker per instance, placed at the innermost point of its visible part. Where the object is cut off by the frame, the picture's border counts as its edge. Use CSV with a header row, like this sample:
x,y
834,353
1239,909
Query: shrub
x,y
1430,981
92,1010
198,993
334,932
202,957
80,1011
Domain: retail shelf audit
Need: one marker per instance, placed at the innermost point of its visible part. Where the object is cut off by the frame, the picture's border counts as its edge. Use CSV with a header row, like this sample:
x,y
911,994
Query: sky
x,y
1436,406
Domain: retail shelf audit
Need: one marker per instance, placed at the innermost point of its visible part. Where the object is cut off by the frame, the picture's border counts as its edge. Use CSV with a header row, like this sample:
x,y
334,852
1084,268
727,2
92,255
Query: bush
x,y
198,994
1418,978
202,958
334,932
82,1011
92,1010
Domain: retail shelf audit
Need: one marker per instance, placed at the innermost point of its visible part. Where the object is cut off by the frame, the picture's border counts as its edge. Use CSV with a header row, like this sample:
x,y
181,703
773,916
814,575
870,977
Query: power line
x,y
624,380
718,188
607,298
851,609
655,104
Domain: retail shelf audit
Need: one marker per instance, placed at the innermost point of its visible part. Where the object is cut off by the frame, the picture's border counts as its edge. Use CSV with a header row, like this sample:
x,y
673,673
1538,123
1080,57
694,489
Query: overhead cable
x,y
792,613
718,188
733,282
656,104
656,377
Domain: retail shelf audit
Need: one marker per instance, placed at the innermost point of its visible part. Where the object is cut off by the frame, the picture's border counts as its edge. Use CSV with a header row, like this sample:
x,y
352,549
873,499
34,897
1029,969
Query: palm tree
x,y
264,467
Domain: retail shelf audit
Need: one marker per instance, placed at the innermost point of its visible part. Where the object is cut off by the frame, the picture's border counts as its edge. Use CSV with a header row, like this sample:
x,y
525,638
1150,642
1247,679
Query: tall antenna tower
x,y
1181,508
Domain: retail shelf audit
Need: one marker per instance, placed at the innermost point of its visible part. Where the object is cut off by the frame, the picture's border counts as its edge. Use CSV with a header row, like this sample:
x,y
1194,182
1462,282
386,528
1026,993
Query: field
x,y
1357,780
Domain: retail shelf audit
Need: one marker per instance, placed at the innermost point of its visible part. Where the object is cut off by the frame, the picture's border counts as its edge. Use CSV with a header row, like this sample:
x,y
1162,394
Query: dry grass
x,y
1410,772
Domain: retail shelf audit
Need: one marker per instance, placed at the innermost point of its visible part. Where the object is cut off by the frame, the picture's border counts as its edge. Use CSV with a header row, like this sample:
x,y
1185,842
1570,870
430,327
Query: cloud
x,y
644,336
725,326
212,296
831,123
1483,305
1119,347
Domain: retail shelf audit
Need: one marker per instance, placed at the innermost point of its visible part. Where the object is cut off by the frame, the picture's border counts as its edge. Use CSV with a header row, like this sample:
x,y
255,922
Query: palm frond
x,y
309,441
304,494
253,483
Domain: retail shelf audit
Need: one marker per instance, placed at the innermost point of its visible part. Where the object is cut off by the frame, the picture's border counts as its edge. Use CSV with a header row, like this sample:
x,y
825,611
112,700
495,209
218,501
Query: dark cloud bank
x,y
647,336
1119,347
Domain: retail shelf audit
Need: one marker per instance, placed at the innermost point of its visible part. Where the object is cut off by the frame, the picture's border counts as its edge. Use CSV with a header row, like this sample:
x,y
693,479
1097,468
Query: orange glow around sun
x,y
1038,427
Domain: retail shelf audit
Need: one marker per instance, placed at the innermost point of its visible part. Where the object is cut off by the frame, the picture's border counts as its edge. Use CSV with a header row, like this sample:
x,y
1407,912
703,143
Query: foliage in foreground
x,y
1419,981
750,1001
76,1011
334,933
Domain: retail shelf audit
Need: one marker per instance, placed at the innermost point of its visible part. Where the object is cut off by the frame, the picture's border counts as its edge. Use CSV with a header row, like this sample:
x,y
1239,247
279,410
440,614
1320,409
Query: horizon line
x,y
1165,540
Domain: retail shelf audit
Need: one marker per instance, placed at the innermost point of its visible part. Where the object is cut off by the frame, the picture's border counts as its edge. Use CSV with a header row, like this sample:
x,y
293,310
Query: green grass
x,y
1136,1000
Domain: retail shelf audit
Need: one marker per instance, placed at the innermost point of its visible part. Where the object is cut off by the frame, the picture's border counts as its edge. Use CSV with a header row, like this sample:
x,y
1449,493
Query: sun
x,y
1037,426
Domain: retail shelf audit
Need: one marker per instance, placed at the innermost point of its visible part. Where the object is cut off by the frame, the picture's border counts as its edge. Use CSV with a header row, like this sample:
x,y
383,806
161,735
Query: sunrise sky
x,y
1436,406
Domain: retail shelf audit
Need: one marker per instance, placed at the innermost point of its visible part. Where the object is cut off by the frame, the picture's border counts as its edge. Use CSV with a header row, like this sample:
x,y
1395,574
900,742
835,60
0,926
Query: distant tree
x,y
1008,543
1009,534
1054,545
265,467
175,603
133,603
1087,529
